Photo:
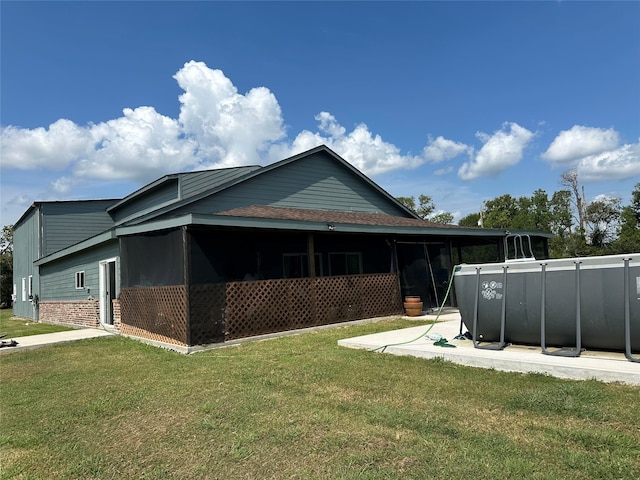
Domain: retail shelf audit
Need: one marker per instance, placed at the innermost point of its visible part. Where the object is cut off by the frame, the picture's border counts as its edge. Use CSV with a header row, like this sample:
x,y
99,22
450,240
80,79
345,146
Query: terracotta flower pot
x,y
412,299
413,309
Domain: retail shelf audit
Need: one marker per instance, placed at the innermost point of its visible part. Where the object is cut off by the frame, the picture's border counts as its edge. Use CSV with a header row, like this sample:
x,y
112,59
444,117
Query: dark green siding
x,y
58,277
198,182
164,193
25,252
317,182
67,223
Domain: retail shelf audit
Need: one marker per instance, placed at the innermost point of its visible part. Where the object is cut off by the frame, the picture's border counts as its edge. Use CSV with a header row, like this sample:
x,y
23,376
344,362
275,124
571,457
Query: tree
x,y
471,220
425,209
635,202
500,212
603,218
569,179
560,224
561,219
6,265
540,211
444,218
628,240
425,206
408,202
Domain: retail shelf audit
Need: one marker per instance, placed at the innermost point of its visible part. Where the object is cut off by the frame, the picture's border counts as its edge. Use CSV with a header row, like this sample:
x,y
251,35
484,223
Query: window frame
x,y
80,280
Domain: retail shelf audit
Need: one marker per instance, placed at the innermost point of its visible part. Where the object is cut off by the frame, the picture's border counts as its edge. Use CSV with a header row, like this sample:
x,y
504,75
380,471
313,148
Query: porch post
x,y
186,252
311,255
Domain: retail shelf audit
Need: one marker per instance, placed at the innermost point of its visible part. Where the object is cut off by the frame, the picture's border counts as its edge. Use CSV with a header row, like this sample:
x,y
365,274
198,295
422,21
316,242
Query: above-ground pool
x,y
575,303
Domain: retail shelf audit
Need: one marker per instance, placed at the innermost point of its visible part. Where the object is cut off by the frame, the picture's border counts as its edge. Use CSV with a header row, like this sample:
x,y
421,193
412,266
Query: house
x,y
210,256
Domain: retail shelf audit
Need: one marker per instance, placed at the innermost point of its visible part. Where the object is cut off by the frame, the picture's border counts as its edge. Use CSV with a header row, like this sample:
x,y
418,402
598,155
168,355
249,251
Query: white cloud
x,y
501,150
139,145
217,127
580,142
596,153
63,185
603,197
230,129
442,149
367,152
618,164
53,148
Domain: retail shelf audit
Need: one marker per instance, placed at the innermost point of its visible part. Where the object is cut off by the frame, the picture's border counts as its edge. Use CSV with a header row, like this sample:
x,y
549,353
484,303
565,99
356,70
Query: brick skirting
x,y
85,313
117,323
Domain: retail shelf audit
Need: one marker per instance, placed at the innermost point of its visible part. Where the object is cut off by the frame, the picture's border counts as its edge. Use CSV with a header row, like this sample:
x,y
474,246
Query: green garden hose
x,y
443,343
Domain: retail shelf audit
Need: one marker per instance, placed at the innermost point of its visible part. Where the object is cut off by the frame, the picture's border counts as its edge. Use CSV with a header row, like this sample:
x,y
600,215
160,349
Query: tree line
x,y
600,227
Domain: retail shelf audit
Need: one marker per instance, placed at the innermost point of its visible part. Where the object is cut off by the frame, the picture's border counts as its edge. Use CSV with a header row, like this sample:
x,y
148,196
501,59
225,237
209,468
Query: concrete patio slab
x,y
35,341
417,342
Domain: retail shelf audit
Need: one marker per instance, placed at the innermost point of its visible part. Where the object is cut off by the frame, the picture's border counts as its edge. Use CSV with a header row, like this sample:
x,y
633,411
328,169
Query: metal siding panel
x,y
316,182
67,223
58,278
25,252
141,204
198,182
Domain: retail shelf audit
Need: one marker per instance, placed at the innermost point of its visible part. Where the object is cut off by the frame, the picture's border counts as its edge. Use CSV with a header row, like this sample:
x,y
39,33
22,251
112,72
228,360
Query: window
x,y
296,265
24,289
30,286
348,263
79,279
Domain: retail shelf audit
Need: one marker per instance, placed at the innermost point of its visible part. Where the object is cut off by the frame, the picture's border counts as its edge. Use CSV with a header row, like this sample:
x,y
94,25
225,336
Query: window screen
x,y
152,259
349,263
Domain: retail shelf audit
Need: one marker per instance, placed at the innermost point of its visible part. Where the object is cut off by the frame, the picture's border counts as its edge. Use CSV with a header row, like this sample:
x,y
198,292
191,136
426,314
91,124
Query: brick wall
x,y
117,322
85,313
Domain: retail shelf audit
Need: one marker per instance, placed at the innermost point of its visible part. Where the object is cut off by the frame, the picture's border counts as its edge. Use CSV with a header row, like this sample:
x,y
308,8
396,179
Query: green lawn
x,y
14,327
300,407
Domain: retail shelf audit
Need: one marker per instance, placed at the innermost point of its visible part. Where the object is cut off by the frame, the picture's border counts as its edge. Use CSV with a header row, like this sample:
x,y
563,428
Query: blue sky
x,y
463,101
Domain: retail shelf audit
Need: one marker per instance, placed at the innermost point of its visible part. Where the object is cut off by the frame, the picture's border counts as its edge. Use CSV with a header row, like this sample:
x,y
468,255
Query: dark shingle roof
x,y
329,216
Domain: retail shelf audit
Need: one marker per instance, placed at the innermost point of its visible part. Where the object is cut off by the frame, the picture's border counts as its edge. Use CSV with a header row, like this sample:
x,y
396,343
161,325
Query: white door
x,y
107,290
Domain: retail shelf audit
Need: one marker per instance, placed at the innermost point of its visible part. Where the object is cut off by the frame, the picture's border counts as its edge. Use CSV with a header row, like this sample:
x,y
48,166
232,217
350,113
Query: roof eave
x,y
308,226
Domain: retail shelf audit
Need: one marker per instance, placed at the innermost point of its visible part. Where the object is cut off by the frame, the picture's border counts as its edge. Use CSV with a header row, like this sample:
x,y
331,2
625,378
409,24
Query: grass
x,y
14,327
300,407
